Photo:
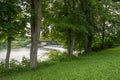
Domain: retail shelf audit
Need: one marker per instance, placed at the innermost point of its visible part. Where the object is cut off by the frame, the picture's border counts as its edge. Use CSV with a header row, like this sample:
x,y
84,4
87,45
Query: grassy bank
x,y
103,65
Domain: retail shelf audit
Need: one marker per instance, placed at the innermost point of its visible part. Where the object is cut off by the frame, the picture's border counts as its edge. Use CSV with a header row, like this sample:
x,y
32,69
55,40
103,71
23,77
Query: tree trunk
x,y
71,42
8,52
35,31
89,44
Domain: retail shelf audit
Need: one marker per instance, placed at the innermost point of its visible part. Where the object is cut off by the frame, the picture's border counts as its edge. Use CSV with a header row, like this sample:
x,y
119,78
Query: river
x,y
18,53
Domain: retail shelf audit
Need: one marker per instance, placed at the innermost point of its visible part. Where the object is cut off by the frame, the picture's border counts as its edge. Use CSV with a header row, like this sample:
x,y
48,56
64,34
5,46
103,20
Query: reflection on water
x,y
20,52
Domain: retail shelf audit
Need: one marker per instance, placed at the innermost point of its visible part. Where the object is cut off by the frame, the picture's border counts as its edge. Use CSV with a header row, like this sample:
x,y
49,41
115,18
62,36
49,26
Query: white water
x,y
17,54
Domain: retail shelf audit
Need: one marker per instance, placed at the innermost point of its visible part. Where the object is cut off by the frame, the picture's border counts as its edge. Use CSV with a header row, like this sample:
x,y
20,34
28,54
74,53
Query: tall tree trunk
x,y
8,43
36,15
89,44
8,52
71,41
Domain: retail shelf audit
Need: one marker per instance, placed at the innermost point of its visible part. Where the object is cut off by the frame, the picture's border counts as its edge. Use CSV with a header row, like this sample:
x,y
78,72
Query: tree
x,y
77,22
105,20
65,21
36,15
71,17
11,24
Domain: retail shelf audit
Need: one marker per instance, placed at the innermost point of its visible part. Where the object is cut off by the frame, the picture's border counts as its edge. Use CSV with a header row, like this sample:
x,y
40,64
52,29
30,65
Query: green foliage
x,y
21,43
85,18
25,62
57,56
15,66
108,42
11,19
2,44
2,67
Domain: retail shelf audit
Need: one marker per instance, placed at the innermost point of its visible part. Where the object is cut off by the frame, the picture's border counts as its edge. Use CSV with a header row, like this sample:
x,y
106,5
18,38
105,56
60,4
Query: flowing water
x,y
19,53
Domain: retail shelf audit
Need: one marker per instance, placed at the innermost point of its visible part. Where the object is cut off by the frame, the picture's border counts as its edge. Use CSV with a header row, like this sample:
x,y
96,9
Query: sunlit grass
x,y
103,65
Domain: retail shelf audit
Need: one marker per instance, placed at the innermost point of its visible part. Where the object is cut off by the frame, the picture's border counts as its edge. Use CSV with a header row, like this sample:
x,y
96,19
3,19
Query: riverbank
x,y
103,65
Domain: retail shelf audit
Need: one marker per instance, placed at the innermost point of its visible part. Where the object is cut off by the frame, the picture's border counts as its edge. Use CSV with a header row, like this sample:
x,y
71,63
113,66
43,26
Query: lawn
x,y
103,65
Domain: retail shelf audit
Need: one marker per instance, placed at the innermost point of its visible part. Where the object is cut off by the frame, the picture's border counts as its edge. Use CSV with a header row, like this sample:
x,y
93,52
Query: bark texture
x,y
89,44
35,31
71,42
8,53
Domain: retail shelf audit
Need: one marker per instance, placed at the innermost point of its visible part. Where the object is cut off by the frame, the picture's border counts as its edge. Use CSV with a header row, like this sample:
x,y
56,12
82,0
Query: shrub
x,y
2,67
57,56
53,55
25,62
15,66
14,63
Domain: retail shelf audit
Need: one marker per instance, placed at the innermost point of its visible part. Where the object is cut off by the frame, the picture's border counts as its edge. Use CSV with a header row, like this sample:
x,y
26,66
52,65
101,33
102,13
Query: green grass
x,y
103,65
